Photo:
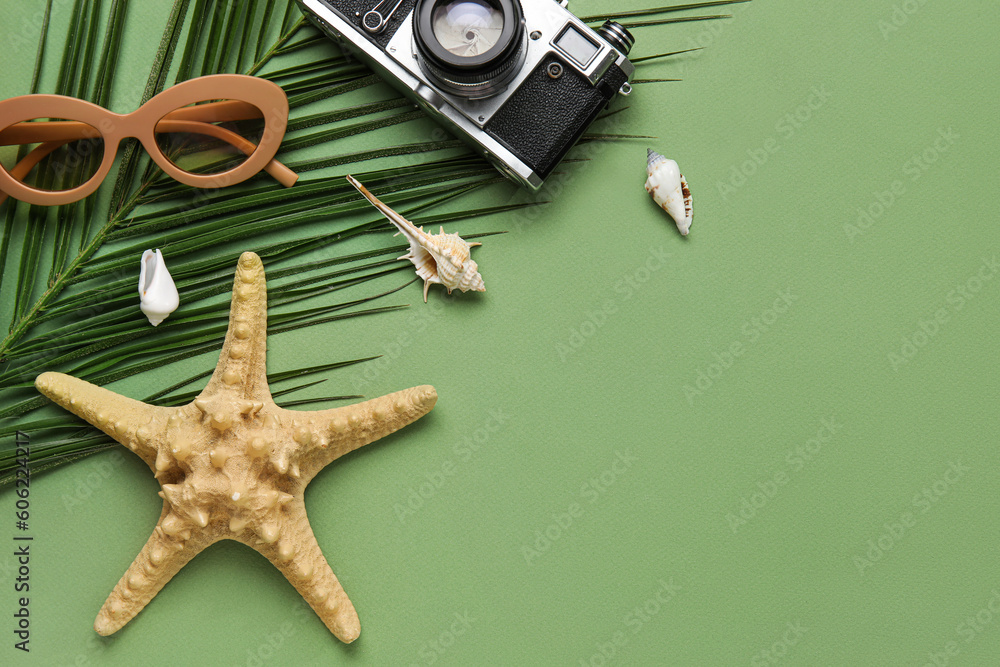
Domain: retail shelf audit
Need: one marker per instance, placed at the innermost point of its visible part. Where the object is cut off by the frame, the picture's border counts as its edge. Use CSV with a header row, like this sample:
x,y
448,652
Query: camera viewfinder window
x,y
575,45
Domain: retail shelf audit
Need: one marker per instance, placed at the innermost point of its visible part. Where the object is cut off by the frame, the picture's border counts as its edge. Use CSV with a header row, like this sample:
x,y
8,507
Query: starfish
x,y
233,465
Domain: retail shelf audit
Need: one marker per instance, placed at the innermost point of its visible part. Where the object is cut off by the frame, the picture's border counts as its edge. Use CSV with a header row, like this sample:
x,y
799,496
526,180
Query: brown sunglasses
x,y
209,132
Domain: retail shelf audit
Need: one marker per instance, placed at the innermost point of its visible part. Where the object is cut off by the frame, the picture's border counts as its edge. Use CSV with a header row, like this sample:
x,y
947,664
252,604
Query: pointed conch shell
x,y
440,258
157,293
669,189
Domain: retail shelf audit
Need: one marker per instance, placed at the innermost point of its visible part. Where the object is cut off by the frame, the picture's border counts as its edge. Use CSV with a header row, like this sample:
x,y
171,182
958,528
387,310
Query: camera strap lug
x,y
374,22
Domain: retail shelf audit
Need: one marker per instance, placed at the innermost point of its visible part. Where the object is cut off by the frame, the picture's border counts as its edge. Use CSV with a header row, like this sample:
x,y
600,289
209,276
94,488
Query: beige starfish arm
x,y
329,434
298,556
160,559
241,365
127,420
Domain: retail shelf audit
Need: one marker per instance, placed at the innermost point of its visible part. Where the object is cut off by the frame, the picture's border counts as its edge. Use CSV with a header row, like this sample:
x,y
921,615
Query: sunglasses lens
x,y
210,137
51,154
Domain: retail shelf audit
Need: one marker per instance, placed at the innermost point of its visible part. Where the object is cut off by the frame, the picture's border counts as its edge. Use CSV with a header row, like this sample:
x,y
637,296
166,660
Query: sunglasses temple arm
x,y
57,131
24,167
278,171
281,173
231,110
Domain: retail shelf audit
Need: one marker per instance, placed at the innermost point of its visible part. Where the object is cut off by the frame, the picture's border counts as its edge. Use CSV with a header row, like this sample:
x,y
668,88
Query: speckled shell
x,y
442,259
669,190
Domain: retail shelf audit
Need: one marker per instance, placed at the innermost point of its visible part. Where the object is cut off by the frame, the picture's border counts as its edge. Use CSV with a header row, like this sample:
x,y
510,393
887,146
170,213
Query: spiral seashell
x,y
441,258
157,293
669,189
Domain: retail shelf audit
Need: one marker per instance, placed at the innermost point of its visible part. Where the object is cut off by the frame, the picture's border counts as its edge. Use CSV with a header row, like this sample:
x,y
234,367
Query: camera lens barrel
x,y
472,48
618,36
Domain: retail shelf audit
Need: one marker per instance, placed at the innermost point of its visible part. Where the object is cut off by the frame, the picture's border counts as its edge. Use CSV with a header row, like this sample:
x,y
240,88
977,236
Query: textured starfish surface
x,y
233,465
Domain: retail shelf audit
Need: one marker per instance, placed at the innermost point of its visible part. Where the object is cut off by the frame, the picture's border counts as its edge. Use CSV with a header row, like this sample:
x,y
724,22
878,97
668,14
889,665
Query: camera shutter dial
x,y
472,48
618,36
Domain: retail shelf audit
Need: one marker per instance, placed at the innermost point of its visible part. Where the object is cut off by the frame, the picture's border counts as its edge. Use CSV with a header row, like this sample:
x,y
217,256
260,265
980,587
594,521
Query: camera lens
x,y
472,48
467,28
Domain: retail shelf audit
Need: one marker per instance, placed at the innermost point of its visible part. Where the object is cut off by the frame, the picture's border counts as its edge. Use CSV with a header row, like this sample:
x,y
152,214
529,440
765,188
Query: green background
x,y
727,495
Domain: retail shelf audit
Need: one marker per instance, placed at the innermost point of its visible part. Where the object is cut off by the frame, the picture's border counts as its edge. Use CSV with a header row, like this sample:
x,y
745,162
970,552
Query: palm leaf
x,y
81,258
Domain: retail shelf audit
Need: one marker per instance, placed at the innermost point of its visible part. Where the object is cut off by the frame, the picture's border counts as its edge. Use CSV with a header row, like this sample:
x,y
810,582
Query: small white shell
x,y
157,293
669,189
440,258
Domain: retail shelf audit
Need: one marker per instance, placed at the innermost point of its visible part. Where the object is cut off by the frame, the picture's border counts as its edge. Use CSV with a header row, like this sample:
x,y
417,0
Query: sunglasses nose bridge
x,y
116,126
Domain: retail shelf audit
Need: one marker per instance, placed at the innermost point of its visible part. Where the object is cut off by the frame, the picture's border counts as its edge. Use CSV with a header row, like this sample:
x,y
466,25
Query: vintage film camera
x,y
520,81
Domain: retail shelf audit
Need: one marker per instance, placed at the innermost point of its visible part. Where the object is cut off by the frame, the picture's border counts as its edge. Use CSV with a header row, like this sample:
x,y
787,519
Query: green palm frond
x,y
329,255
